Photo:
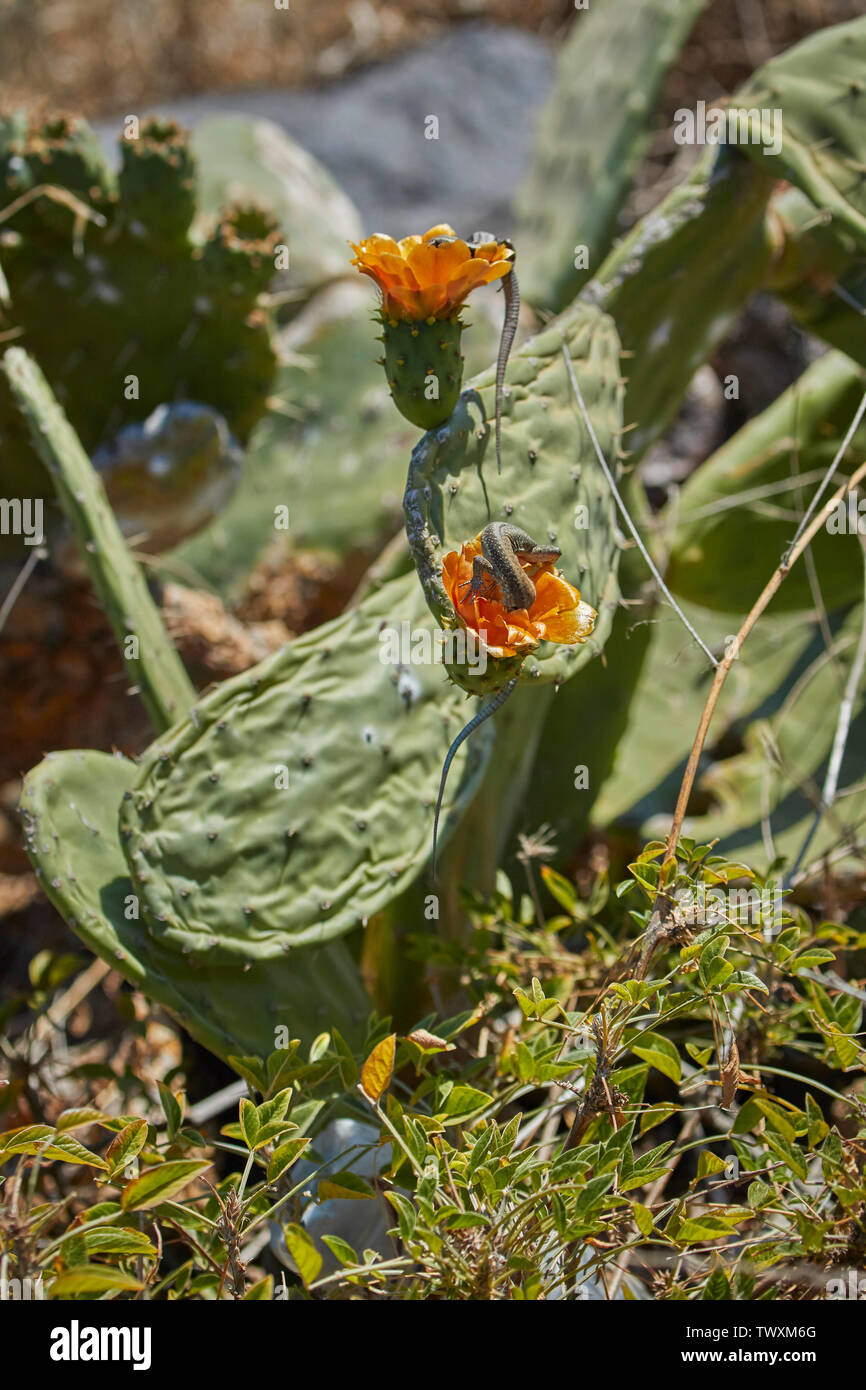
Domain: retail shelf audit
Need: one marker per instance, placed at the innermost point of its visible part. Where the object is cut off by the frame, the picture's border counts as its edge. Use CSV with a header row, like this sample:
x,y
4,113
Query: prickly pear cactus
x,y
818,89
243,159
818,276
416,353
126,312
551,484
296,800
591,138
676,284
70,803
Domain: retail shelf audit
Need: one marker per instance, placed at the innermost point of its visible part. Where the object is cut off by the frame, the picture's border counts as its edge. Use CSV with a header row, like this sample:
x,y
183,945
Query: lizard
x,y
511,291
503,547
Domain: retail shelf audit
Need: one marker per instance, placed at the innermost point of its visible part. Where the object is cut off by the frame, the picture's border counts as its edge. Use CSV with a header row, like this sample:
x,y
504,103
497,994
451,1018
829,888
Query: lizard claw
x,y
479,588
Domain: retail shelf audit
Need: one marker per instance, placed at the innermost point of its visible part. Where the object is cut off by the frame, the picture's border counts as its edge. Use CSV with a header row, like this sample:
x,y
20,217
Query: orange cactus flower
x,y
420,281
557,613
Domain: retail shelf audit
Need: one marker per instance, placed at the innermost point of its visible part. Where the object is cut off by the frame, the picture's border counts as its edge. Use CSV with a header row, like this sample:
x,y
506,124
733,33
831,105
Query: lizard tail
x,y
511,291
493,704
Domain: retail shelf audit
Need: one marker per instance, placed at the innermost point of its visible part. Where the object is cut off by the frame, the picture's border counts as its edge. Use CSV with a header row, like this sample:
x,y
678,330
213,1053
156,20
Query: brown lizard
x,y
503,547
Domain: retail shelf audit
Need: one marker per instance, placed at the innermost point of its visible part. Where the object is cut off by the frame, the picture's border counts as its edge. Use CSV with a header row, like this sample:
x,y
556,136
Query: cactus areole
x,y
425,281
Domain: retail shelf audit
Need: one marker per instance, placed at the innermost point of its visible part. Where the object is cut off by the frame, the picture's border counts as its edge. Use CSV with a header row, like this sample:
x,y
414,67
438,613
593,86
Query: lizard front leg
x,y
483,583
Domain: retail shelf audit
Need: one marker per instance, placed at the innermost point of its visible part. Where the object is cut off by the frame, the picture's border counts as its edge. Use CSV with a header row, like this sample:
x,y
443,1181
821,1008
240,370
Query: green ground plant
x,y
640,1079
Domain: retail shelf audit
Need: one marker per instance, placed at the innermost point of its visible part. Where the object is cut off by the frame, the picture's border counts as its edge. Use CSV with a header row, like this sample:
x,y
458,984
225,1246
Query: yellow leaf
x,y
376,1071
643,1218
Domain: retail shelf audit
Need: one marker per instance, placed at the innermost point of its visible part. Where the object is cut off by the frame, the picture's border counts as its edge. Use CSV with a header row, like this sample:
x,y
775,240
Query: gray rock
x,y
483,82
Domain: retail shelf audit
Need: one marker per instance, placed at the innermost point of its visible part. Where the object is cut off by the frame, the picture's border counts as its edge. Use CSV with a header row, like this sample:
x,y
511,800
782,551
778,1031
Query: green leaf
x,y
462,1103
125,1145
818,1127
710,1163
252,1069
744,979
776,1117
342,1250
44,1140
466,1220
93,1279
656,1115
717,1287
260,1292
115,1240
284,1156
560,888
592,1192
659,1052
158,1184
300,1246
173,1106
791,1155
708,1227
643,1218
714,971
347,1065
280,1065
810,959
249,1122
344,1184
273,1110
406,1214
78,1118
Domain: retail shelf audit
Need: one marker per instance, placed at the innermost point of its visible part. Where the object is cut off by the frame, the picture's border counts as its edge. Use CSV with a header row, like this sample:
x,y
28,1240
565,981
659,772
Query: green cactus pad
x,y
724,548
677,283
244,159
297,799
817,277
156,185
70,804
424,367
591,137
551,483
152,661
335,421
819,87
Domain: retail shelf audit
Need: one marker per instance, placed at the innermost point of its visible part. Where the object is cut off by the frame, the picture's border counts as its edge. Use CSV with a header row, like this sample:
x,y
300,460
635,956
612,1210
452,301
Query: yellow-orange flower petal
x,y
557,613
421,281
